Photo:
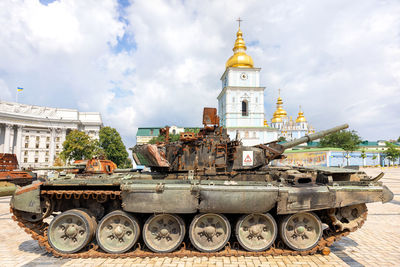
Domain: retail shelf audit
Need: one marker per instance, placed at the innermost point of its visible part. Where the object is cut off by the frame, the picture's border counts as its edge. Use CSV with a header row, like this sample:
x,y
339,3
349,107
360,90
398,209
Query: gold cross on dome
x,y
239,20
279,91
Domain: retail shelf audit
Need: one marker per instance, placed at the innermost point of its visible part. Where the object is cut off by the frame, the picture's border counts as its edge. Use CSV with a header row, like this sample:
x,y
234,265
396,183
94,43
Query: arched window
x,y
245,111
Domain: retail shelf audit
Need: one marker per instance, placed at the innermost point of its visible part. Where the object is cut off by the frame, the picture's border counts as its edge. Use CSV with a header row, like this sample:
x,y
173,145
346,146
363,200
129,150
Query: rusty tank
x,y
204,195
11,176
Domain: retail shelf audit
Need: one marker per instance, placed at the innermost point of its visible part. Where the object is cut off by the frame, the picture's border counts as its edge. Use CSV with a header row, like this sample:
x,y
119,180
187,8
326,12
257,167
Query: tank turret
x,y
211,151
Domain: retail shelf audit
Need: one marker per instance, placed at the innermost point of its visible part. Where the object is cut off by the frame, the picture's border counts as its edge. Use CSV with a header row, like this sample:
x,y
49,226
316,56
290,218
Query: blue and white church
x,y
241,103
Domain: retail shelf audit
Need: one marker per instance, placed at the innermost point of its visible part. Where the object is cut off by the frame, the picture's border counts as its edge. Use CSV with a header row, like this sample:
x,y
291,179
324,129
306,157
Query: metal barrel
x,y
314,136
60,168
125,170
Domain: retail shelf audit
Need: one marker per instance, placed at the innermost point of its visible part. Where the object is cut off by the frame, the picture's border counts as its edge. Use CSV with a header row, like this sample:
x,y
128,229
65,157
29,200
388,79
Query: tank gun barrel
x,y
57,168
314,136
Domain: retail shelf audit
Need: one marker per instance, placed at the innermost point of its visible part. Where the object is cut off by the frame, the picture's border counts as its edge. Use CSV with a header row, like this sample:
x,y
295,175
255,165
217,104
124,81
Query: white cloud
x,y
340,60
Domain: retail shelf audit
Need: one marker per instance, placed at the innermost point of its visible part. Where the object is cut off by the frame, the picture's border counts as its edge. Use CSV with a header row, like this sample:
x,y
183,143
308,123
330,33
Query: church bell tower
x,y
241,100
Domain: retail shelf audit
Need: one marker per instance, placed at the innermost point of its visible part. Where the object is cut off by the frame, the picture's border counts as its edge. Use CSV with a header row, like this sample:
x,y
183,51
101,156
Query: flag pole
x,y
16,96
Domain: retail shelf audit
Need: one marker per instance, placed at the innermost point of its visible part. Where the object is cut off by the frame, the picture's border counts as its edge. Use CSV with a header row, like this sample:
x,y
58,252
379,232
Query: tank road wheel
x,y
117,232
71,231
209,232
163,232
256,232
301,231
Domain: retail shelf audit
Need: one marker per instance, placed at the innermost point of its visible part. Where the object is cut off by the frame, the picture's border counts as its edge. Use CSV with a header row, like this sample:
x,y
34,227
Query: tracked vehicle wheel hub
x,y
210,231
71,231
300,229
164,232
255,230
119,231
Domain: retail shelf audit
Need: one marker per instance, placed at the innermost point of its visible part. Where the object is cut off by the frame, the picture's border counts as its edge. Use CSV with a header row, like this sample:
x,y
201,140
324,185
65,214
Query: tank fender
x,y
27,198
298,199
387,195
232,198
159,197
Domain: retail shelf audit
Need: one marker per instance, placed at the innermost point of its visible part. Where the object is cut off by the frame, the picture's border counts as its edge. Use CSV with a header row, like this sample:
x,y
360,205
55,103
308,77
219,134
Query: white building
x,y
36,134
241,101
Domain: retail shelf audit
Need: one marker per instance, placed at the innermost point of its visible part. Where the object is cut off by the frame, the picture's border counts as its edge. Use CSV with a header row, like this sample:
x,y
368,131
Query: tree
x,y
363,156
114,149
79,145
374,157
281,139
398,139
346,140
392,153
161,138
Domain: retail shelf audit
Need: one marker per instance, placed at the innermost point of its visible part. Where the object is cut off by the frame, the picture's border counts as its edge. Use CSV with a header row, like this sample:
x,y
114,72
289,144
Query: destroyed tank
x,y
11,176
204,195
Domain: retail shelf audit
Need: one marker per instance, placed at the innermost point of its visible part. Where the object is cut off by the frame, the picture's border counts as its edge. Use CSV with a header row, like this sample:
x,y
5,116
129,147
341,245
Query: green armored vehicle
x,y
203,195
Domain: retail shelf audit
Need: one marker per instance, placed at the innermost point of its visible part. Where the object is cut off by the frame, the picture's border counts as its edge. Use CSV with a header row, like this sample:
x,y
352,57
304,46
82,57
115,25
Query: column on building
x,y
52,146
7,138
19,143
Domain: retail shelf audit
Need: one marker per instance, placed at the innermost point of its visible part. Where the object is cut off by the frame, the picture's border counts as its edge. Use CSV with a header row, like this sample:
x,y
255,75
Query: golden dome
x,y
239,59
279,112
300,117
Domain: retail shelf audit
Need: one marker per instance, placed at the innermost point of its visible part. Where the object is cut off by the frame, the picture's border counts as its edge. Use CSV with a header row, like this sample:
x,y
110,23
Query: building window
x,y
48,139
26,153
246,134
37,145
173,131
47,146
25,160
57,146
36,160
245,111
233,99
256,99
46,160
47,153
58,139
26,138
37,138
26,145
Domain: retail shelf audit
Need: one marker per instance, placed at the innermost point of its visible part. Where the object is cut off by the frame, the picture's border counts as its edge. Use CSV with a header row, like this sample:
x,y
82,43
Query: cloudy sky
x,y
153,63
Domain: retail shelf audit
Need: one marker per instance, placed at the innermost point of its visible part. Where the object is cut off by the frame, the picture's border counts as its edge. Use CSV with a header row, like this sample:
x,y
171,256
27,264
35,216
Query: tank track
x,y
38,231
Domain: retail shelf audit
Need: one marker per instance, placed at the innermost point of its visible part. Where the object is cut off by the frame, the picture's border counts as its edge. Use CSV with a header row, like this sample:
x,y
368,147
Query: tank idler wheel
x,y
256,232
71,231
301,231
163,233
117,232
209,232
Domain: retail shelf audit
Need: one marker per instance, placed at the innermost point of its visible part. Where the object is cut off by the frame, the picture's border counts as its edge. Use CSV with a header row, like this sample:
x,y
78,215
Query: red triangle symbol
x,y
248,159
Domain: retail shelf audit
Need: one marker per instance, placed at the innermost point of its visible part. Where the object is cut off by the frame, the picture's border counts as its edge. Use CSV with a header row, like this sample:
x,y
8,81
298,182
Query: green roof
x,y
153,131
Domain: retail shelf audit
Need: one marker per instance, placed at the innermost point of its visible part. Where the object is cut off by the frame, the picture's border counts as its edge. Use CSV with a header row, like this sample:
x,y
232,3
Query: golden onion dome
x,y
279,112
239,59
300,117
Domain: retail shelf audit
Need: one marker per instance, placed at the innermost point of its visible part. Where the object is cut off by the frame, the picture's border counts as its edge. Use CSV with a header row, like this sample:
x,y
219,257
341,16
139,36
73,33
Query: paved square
x,y
377,243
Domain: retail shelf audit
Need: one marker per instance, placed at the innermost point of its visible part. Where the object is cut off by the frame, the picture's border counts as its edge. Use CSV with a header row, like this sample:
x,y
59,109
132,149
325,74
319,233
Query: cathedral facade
x,y
241,103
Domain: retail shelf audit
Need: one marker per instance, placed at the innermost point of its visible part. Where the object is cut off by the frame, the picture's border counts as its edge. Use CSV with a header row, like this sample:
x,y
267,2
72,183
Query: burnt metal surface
x,y
9,171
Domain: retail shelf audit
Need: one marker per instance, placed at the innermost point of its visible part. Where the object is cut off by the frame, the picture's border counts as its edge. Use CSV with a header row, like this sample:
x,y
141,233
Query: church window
x,y
173,131
245,111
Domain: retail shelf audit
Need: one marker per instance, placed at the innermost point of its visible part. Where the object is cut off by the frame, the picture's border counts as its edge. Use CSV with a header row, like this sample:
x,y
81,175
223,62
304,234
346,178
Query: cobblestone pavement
x,y
376,244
